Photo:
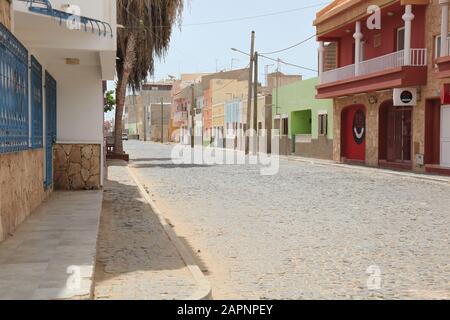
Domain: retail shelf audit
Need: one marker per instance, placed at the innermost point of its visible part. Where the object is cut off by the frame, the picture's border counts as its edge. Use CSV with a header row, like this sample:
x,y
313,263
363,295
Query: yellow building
x,y
222,91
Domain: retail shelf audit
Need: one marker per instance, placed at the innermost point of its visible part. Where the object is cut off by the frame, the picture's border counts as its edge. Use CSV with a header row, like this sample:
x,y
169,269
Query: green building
x,y
305,123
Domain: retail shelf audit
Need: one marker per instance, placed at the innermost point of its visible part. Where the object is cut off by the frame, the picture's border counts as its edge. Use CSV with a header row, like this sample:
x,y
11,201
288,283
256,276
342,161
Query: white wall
x,y
80,103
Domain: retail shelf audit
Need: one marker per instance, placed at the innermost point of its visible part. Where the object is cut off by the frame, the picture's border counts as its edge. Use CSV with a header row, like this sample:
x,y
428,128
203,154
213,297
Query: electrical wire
x,y
257,16
291,47
287,63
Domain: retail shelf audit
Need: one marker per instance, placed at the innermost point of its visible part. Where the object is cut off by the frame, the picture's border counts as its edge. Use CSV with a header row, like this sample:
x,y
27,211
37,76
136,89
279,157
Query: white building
x,y
69,51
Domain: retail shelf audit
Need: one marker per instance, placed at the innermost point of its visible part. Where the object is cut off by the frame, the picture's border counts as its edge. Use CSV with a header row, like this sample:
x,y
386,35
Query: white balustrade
x,y
418,58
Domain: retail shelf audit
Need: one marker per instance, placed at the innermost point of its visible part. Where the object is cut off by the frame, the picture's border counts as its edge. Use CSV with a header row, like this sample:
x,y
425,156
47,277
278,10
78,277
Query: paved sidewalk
x,y
136,258
52,254
422,176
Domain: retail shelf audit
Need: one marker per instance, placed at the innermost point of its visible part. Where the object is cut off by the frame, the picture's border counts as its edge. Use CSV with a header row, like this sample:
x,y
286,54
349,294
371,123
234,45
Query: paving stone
x,y
135,258
311,231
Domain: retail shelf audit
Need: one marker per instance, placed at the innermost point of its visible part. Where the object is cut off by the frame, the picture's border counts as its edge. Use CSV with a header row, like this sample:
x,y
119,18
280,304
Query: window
x,y
323,124
400,39
437,46
285,129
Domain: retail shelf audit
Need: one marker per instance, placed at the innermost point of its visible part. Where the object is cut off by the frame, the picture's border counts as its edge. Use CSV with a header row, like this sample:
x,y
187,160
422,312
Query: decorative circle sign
x,y
359,127
406,96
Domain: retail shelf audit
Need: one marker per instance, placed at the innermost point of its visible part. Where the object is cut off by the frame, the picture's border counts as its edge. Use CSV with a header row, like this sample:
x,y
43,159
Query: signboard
x,y
405,97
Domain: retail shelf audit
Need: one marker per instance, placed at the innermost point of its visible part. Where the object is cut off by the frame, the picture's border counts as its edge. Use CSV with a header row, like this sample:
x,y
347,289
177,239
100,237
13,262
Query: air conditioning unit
x,y
405,97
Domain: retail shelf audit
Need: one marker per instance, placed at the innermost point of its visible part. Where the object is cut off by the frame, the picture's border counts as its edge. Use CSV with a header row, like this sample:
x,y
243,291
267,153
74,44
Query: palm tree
x,y
146,28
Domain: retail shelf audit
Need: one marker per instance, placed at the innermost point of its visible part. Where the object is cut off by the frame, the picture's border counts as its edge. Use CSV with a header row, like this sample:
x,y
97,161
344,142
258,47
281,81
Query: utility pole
x,y
255,95
162,120
249,98
192,117
145,123
278,85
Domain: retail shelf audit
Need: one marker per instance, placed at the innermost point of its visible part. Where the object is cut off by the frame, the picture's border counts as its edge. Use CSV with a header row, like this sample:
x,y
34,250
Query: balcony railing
x,y
418,58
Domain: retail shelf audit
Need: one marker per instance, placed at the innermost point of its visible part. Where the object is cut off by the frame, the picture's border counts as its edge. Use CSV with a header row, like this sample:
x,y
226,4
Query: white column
x,y
444,27
321,60
358,37
408,17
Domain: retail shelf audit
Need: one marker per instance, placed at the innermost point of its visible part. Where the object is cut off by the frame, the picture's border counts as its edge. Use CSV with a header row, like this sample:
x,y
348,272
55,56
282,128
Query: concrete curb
x,y
205,291
412,175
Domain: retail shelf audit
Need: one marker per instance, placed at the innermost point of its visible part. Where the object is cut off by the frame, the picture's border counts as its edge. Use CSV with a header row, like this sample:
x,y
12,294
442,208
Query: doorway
x,y
395,133
353,136
445,136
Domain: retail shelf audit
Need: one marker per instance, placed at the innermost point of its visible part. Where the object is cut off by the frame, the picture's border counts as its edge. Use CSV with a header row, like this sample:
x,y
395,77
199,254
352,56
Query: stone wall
x,y
77,166
21,188
5,13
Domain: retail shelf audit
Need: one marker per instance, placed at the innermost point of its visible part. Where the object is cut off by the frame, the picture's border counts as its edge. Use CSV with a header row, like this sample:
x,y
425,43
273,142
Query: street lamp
x,y
240,51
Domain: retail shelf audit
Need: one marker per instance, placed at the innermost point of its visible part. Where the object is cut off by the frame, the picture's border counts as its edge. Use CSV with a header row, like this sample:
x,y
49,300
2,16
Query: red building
x,y
390,66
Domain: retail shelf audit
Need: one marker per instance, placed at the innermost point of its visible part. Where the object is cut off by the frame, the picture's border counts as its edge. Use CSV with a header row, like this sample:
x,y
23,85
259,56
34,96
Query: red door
x,y
354,133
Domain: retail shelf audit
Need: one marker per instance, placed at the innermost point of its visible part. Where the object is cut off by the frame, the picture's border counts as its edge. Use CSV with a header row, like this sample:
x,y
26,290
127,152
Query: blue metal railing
x,y
45,7
50,114
14,120
36,104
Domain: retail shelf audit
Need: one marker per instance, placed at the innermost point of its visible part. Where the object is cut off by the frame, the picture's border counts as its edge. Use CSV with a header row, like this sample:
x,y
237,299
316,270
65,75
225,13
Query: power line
x,y
236,19
288,63
291,47
256,16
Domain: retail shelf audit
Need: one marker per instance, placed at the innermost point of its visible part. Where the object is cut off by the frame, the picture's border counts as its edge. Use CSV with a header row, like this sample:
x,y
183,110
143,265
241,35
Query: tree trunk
x,y
121,91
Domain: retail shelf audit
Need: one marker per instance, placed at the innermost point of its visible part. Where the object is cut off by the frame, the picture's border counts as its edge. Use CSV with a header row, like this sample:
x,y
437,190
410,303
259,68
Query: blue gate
x,y
50,116
13,93
36,104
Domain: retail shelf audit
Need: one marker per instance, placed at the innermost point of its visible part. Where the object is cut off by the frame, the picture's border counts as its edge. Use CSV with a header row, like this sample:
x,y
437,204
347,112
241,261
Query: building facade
x,y
51,128
388,83
307,122
138,106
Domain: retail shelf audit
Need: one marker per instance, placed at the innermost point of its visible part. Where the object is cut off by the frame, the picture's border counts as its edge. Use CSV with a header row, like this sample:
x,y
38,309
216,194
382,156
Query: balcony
x,y
443,62
384,72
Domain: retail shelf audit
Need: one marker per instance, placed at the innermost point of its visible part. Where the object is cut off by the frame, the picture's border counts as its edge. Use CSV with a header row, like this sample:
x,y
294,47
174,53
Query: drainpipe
x,y
408,17
321,55
444,27
358,37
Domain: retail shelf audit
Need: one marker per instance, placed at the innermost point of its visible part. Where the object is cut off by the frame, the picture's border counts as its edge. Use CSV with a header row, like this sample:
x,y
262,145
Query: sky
x,y
205,47
201,46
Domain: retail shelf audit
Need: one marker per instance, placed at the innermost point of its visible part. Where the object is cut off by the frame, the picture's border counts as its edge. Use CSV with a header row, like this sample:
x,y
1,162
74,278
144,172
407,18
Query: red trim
x,y
406,166
437,169
353,162
388,79
432,132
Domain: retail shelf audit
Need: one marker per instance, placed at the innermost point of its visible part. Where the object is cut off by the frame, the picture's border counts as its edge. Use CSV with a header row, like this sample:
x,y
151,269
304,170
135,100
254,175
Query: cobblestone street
x,y
311,231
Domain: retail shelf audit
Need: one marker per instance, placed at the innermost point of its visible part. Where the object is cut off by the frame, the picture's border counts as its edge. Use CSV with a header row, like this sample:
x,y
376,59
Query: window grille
x,y
36,104
13,93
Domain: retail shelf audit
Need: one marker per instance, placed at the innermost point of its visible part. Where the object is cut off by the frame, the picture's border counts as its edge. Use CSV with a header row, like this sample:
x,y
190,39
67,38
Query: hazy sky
x,y
199,46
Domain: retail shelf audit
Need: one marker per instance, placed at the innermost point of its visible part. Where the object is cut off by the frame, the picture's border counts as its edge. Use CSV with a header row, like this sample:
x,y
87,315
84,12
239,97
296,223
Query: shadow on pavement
x,y
135,257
